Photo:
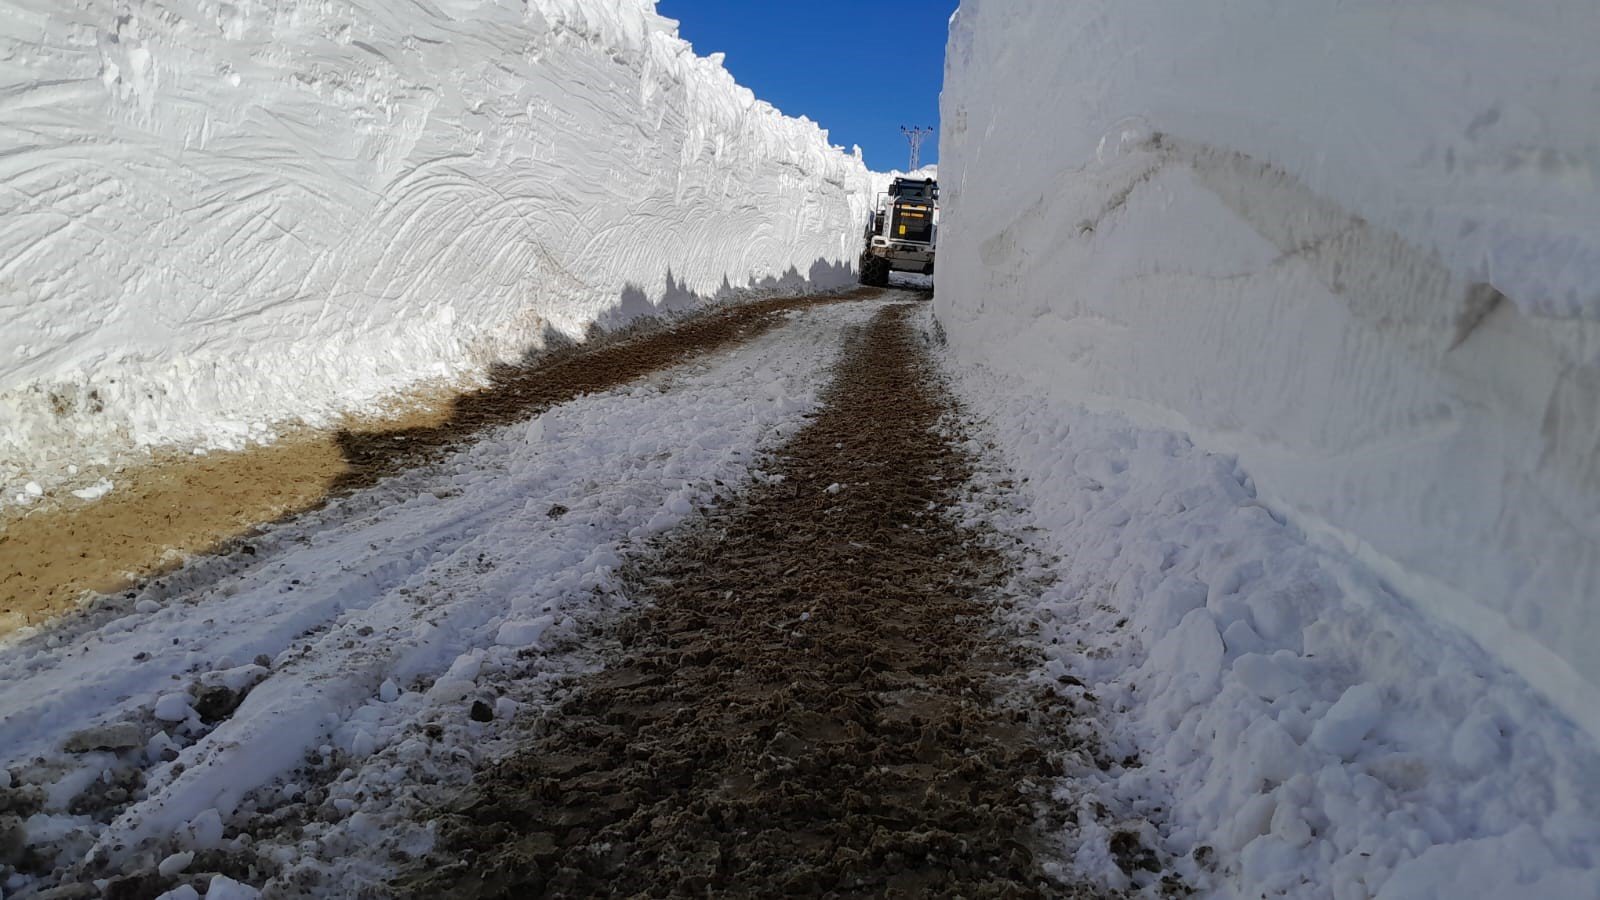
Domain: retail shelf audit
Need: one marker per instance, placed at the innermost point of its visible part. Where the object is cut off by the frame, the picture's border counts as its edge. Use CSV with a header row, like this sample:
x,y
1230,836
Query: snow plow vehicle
x,y
902,231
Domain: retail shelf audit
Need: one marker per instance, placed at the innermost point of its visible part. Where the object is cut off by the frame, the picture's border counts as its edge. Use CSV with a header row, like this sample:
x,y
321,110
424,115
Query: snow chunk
x,y
95,491
1265,677
1167,605
1193,648
175,863
1519,864
523,634
1477,743
159,745
174,707
450,690
204,832
225,888
1348,722
467,666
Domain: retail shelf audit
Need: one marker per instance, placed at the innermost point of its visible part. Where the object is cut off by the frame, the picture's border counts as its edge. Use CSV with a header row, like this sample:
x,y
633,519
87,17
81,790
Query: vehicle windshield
x,y
912,190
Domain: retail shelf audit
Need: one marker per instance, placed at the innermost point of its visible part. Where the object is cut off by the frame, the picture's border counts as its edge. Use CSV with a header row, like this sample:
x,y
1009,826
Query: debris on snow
x,y
121,736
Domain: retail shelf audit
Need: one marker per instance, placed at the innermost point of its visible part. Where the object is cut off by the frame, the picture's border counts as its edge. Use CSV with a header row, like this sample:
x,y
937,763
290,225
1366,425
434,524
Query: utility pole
x,y
916,136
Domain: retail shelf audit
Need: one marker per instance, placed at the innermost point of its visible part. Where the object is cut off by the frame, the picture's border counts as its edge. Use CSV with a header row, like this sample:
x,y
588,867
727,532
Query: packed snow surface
x,y
1355,244
371,639
215,216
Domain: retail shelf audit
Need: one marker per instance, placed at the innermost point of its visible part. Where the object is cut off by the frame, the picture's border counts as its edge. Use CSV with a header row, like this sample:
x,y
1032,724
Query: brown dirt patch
x,y
809,704
177,506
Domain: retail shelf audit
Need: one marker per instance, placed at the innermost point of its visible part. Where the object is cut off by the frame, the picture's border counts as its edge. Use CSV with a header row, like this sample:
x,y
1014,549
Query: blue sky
x,y
858,68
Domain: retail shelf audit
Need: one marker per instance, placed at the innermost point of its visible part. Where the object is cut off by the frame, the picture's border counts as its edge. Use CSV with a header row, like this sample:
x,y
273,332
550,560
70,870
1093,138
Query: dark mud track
x,y
809,701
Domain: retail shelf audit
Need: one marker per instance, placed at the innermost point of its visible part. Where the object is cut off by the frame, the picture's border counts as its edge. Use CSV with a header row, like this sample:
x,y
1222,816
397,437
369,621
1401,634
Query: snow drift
x,y
1337,243
215,215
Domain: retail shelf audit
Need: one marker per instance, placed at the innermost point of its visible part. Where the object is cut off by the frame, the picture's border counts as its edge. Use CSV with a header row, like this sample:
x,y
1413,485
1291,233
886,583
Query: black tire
x,y
874,271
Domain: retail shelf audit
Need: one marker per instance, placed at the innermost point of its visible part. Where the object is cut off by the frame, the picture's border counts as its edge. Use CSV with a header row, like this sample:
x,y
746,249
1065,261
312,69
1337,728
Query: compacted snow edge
x,y
1298,730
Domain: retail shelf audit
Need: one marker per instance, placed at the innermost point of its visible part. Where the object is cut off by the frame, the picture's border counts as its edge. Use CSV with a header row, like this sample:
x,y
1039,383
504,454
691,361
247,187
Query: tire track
x,y
811,703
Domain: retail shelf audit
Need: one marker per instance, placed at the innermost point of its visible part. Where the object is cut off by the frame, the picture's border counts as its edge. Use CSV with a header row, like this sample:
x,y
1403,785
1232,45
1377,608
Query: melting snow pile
x,y
1343,251
215,216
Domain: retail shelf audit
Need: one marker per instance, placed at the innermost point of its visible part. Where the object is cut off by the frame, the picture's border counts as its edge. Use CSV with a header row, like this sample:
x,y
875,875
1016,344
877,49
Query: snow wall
x,y
1355,244
218,215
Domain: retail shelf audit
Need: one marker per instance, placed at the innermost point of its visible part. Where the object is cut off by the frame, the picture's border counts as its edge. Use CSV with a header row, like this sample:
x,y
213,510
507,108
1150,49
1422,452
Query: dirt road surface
x,y
807,676
809,705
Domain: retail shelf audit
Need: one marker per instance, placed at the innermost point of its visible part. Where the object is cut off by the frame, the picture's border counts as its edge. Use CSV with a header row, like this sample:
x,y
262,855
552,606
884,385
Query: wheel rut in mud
x,y
809,700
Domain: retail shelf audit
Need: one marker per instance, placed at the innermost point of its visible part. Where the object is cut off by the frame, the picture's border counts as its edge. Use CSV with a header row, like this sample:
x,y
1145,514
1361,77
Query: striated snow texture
x,y
215,216
1291,319
1337,242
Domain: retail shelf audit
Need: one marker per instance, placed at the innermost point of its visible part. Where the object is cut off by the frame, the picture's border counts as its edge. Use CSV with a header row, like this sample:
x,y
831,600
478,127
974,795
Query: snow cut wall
x,y
215,215
1356,244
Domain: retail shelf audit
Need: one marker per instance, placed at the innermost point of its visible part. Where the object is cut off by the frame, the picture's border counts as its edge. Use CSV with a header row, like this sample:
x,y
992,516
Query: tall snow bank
x,y
214,215
1358,245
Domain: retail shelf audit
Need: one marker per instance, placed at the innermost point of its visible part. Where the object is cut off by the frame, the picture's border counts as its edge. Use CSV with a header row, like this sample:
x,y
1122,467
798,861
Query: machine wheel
x,y
874,271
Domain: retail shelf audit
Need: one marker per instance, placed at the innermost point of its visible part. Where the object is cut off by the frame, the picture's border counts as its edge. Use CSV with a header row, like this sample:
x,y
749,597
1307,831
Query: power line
x,y
916,136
